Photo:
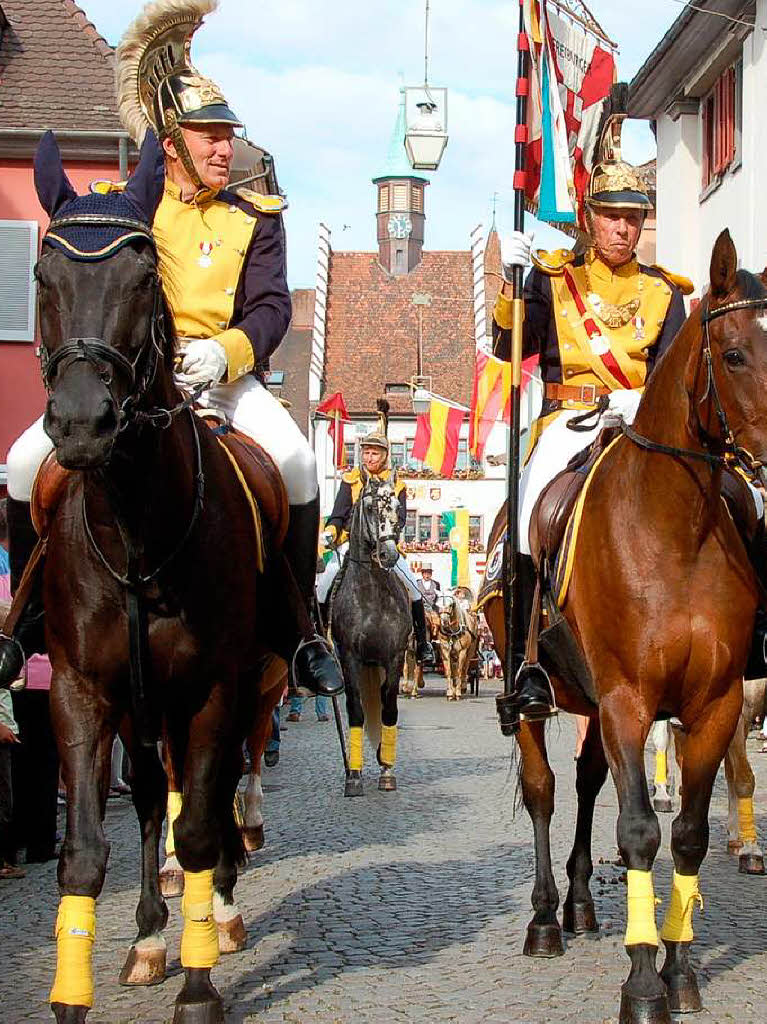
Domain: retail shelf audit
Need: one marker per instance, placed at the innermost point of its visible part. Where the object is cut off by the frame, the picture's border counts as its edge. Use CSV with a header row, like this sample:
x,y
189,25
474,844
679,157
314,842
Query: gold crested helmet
x,y
614,182
158,87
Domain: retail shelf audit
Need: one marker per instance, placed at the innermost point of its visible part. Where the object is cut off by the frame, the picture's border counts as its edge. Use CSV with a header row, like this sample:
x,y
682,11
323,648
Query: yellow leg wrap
x,y
75,932
174,809
746,826
661,768
677,926
199,940
389,744
641,910
355,748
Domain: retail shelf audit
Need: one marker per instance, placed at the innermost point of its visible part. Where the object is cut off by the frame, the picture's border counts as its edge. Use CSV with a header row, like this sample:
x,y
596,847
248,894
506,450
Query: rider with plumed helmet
x,y
599,322
374,450
222,261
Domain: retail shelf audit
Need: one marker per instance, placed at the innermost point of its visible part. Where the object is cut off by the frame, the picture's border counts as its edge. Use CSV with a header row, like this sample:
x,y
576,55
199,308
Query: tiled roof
x,y
56,70
493,278
372,328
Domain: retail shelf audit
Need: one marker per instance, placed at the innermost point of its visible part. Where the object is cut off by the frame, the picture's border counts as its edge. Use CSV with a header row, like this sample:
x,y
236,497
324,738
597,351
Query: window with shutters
x,y
721,125
383,198
400,190
18,254
416,198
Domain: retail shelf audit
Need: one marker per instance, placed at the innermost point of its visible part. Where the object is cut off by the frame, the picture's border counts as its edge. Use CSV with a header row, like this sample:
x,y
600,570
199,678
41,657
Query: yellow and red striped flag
x,y
491,395
436,436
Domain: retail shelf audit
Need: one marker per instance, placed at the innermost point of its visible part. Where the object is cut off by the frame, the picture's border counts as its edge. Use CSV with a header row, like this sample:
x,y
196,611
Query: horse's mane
x,y
169,336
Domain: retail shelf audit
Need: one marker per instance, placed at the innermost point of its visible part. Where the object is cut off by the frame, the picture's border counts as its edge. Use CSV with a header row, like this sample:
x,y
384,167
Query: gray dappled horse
x,y
370,623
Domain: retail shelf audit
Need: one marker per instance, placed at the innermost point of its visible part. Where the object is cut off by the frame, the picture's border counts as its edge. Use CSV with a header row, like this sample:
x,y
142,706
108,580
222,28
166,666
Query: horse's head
x,y
728,379
448,613
379,516
100,304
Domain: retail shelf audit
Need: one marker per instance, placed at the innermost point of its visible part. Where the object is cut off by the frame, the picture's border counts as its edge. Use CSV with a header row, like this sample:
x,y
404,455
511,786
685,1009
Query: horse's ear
x,y
145,186
763,276
53,186
724,266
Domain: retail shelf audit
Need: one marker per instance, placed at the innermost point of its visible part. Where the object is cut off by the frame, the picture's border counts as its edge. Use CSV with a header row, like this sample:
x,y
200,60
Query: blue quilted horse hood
x,y
93,226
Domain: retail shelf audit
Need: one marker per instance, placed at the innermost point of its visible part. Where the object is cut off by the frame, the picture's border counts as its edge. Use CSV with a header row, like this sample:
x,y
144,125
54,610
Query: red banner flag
x,y
334,408
490,396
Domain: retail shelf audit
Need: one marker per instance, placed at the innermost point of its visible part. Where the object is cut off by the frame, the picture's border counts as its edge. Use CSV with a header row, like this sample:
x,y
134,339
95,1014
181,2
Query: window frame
x,y
721,128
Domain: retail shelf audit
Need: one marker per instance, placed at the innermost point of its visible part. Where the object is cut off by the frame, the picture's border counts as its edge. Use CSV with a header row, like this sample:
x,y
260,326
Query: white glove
x,y
515,252
624,403
203,361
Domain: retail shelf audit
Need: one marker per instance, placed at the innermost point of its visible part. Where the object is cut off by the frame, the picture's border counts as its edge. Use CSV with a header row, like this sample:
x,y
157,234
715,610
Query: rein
x,y
732,452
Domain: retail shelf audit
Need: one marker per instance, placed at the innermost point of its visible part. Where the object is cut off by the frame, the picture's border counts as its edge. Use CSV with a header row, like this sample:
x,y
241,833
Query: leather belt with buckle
x,y
585,394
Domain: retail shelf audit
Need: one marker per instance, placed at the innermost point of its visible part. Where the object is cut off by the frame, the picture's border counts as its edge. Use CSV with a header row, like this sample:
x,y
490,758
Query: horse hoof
x,y
683,994
209,1012
544,940
232,937
253,837
144,967
663,805
353,787
579,918
66,1014
751,864
643,1010
172,883
387,783
734,846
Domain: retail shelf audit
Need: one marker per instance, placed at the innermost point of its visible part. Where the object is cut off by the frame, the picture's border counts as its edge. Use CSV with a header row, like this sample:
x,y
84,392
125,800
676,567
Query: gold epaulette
x,y
264,204
553,262
103,186
352,476
684,284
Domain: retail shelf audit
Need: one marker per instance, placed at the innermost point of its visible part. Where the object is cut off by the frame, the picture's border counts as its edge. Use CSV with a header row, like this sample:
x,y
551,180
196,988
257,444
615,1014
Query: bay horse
x,y
370,622
156,614
413,678
662,602
458,638
742,838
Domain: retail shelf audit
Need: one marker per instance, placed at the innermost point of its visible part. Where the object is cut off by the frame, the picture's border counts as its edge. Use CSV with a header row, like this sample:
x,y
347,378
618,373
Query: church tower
x,y
400,207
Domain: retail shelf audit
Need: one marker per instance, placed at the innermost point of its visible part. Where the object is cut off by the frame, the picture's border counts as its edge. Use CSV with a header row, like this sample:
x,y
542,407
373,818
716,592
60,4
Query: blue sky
x,y
316,83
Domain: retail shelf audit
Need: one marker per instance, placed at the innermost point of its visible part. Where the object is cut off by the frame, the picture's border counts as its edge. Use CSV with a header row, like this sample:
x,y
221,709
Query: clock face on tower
x,y
399,225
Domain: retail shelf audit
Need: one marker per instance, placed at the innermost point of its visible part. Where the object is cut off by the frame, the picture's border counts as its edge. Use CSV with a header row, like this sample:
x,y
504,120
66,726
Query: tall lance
x,y
511,577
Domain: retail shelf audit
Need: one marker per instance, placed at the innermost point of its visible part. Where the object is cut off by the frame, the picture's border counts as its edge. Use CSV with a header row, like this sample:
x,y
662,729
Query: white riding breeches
x,y
246,403
558,444
252,409
24,458
401,568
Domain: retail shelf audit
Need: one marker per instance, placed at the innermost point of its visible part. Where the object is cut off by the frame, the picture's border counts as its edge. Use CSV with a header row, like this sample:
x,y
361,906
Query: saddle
x,y
255,469
553,531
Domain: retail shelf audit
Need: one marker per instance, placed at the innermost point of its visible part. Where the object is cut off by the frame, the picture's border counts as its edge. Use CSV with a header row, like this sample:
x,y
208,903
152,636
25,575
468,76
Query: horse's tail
x,y
371,682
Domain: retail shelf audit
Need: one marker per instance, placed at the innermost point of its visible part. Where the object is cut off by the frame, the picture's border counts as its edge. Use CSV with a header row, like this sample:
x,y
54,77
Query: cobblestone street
x,y
409,906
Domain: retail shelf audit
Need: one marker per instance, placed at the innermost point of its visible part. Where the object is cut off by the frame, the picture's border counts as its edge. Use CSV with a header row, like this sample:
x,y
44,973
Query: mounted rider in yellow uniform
x,y
599,322
374,451
222,261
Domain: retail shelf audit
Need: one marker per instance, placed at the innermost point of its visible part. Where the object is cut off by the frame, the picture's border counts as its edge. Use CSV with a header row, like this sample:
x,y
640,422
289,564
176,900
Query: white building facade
x,y
704,87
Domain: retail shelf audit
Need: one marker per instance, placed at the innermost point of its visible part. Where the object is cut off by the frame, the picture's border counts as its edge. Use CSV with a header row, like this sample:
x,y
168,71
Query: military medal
x,y
206,248
639,334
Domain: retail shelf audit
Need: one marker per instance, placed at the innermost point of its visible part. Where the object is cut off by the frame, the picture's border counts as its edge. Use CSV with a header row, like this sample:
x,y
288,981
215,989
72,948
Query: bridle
x,y
375,558
106,359
730,453
449,632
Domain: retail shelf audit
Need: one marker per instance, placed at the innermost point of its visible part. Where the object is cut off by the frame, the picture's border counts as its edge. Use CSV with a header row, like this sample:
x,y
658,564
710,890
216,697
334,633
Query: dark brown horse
x,y
662,602
155,608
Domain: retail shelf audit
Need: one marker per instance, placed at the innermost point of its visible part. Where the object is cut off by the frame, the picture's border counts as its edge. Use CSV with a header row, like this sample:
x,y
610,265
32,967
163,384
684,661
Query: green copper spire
x,y
397,163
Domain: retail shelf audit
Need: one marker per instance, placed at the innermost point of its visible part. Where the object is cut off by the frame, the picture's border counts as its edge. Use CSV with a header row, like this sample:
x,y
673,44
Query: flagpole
x,y
511,588
336,418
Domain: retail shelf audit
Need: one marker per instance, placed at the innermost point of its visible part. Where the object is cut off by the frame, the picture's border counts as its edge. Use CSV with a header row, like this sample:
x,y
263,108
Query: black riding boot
x,y
424,652
532,698
29,636
315,667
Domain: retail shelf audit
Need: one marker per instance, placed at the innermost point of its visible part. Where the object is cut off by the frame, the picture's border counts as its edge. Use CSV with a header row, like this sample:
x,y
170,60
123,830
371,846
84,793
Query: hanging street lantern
x,y
425,126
